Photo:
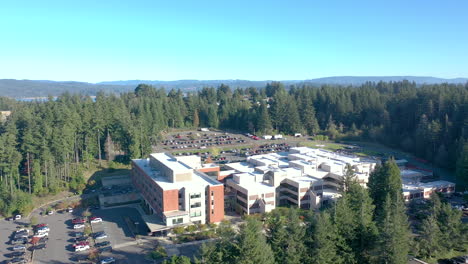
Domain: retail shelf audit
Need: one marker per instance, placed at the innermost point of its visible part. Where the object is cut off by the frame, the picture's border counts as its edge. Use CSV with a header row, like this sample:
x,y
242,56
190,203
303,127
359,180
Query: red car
x,y
84,243
78,221
40,225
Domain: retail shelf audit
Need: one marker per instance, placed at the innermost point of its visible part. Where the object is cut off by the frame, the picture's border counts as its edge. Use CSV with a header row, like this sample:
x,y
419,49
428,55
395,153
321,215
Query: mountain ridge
x,y
39,88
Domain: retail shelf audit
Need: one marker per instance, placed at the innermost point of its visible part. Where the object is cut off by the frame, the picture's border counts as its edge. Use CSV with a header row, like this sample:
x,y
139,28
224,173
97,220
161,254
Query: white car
x,y
101,236
78,226
81,248
70,210
96,220
41,235
19,248
22,230
50,212
17,217
43,229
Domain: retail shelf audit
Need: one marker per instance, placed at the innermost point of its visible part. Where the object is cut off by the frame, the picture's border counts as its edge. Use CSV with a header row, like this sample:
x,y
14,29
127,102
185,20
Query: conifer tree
x,y
252,244
324,240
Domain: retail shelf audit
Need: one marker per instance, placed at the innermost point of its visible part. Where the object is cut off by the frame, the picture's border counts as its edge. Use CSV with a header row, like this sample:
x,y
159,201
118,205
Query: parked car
x,y
78,221
21,235
100,236
95,220
19,241
40,225
16,254
43,239
51,212
42,234
102,244
79,234
22,230
43,229
80,244
70,210
108,260
78,226
19,248
82,238
16,261
105,249
40,246
81,248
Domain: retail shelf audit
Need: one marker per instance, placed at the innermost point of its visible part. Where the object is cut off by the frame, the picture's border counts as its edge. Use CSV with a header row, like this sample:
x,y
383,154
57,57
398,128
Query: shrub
x,y
158,253
178,230
191,228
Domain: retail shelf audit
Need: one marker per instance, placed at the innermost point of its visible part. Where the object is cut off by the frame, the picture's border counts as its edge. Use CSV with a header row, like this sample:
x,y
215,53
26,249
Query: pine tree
x,y
295,248
263,119
462,167
196,119
393,242
429,239
385,180
252,244
324,240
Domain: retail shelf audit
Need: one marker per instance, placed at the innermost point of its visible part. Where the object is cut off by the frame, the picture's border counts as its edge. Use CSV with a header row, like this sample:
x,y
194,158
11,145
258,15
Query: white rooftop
x,y
198,179
171,162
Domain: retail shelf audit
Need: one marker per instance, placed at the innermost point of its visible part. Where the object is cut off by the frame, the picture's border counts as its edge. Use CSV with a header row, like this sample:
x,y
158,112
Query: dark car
x,y
40,246
82,238
104,249
16,260
78,234
102,244
19,241
16,254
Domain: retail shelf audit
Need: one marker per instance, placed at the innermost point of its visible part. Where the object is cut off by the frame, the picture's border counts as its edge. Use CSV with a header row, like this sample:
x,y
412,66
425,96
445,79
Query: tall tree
x,y
252,244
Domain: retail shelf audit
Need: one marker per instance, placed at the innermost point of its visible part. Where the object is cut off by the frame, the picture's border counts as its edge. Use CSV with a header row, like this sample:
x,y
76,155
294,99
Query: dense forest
x,y
45,146
363,226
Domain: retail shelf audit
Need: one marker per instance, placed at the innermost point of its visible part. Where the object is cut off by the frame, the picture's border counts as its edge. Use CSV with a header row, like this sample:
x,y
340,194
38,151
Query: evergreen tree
x,y
385,181
324,241
430,238
263,119
393,242
252,244
462,167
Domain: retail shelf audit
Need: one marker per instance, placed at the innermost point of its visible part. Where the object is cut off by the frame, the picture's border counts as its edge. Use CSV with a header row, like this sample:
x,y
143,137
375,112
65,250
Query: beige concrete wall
x,y
116,180
115,199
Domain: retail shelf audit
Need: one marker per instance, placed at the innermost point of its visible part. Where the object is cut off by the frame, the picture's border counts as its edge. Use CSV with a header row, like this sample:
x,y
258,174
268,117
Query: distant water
x,y
43,99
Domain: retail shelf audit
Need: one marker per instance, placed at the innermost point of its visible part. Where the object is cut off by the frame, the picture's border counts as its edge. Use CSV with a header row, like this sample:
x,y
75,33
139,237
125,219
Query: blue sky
x,y
257,40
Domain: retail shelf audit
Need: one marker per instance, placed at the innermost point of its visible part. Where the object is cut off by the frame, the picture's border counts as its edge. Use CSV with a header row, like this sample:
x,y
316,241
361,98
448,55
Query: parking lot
x,y
119,224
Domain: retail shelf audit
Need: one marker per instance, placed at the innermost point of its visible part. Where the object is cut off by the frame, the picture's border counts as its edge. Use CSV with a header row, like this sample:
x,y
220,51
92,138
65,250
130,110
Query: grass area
x,y
40,200
322,145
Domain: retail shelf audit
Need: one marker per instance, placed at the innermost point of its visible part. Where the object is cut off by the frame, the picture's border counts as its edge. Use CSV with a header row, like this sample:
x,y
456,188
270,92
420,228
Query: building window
x,y
195,214
212,202
212,193
242,195
177,221
195,195
195,205
212,211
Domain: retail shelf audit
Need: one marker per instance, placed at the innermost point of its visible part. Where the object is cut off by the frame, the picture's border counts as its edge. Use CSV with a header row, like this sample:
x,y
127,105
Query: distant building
x,y
177,191
4,115
303,177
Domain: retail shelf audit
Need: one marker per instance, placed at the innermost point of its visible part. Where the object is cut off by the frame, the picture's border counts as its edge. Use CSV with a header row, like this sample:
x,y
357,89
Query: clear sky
x,y
103,40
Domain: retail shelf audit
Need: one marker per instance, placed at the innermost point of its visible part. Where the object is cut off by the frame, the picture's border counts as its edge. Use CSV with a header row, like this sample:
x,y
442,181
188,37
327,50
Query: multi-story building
x,y
177,190
303,177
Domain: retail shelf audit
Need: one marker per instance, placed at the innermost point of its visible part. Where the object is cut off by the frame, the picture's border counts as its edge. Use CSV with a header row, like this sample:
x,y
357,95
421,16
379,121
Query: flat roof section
x,y
198,178
171,162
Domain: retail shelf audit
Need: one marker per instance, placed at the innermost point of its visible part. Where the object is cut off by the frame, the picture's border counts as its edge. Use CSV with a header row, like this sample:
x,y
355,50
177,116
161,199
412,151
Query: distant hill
x,y
40,88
